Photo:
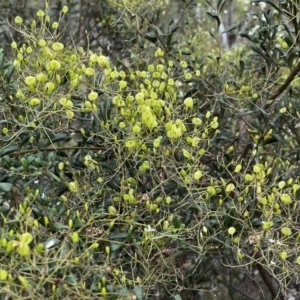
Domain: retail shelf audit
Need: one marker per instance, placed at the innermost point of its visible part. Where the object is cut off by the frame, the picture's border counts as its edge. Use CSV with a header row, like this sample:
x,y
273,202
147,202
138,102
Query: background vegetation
x,y
149,150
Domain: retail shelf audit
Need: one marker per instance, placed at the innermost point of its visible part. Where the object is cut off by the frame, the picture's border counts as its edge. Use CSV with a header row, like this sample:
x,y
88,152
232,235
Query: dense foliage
x,y
167,168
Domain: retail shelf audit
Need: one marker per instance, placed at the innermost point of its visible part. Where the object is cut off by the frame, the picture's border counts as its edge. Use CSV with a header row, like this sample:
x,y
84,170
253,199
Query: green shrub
x,y
120,182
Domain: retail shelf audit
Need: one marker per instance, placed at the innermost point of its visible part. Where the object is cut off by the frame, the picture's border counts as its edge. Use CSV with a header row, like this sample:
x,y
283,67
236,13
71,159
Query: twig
x,y
245,26
55,149
242,293
276,98
183,12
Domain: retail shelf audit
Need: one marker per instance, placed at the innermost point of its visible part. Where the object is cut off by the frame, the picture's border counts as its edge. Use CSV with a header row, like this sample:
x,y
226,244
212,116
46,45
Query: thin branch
x,y
56,149
276,97
246,25
183,12
242,293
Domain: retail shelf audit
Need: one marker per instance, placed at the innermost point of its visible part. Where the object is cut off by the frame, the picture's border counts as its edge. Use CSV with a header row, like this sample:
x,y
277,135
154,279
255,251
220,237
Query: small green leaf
x,y
220,5
274,138
54,176
60,226
124,292
8,72
72,279
214,17
24,164
151,37
4,209
246,35
138,292
115,236
5,186
8,150
116,246
262,54
231,28
268,2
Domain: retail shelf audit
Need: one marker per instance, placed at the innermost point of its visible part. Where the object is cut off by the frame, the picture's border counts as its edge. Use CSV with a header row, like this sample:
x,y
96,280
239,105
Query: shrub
x,y
121,182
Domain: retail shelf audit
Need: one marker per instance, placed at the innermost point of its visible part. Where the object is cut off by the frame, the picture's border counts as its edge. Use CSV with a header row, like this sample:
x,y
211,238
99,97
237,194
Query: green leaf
x,y
124,292
209,3
290,58
30,181
39,173
8,150
267,18
141,42
72,279
228,245
186,52
5,186
60,226
61,212
256,221
4,209
24,164
246,35
9,71
288,31
264,114
129,235
62,154
220,5
191,93
151,37
212,35
170,35
177,297
256,124
25,136
98,81
38,162
274,138
242,67
228,221
116,246
214,17
138,292
231,28
268,2
262,54
105,110
1,59
54,176
60,137
115,236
